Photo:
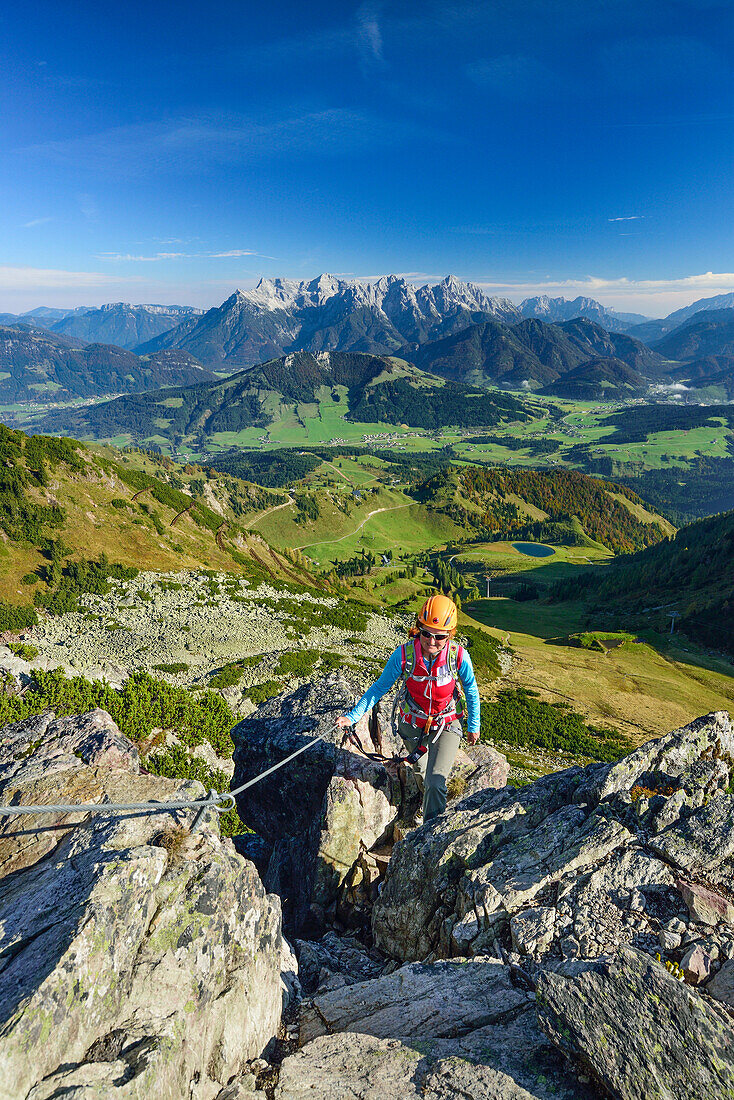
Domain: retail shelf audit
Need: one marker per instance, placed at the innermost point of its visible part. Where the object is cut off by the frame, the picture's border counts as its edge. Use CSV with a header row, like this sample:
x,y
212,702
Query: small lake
x,y
534,549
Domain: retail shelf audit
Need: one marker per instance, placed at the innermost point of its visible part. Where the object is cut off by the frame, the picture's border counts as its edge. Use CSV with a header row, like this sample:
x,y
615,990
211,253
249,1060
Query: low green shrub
x,y
259,693
141,705
518,718
25,652
177,763
483,650
16,618
172,668
300,663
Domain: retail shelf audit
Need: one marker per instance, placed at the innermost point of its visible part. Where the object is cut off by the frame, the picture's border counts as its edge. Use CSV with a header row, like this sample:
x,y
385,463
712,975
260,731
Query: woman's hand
x,y
342,722
472,738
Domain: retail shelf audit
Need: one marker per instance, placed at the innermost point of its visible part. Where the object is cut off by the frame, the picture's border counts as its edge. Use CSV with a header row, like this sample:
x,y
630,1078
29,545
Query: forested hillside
x,y
36,365
286,466
531,353
636,424
691,573
70,517
491,502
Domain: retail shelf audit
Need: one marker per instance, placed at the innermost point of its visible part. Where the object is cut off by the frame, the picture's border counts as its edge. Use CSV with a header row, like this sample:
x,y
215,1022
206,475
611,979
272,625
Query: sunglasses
x,y
433,637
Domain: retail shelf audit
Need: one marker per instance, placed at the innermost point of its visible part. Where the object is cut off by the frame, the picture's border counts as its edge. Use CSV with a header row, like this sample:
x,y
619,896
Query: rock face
x,y
321,810
447,1029
577,864
327,812
603,1017
574,884
138,959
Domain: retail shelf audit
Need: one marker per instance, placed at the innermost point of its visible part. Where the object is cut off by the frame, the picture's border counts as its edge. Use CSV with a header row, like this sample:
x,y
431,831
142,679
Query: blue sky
x,y
171,152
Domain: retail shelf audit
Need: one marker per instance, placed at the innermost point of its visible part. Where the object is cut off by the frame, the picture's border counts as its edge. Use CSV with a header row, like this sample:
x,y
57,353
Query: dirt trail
x,y
349,534
267,511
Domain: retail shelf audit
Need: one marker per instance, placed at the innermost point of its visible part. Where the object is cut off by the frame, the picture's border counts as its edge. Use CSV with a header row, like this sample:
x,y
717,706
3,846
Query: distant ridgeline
x,y
691,573
576,507
41,366
703,486
374,388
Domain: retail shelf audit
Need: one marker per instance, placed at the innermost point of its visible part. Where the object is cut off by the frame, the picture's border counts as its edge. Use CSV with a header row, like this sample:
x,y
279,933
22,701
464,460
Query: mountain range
x,y
451,328
119,323
702,334
548,309
531,354
37,365
650,331
330,314
123,324
372,388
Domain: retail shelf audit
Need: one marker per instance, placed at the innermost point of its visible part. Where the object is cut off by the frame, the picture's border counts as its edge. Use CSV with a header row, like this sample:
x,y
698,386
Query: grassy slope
x,y
128,535
640,689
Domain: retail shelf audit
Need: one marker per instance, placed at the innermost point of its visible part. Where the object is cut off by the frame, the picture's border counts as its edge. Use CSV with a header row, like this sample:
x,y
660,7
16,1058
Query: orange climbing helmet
x,y
438,612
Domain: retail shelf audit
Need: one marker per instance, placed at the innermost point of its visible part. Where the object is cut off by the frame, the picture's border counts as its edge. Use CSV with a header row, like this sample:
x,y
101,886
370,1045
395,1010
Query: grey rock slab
x,y
425,1000
453,854
510,1060
532,929
673,754
722,986
702,842
696,964
481,767
351,1067
131,952
638,1031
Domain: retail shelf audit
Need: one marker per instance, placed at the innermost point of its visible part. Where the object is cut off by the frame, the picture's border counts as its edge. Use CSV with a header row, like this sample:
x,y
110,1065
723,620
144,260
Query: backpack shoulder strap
x,y
454,658
408,659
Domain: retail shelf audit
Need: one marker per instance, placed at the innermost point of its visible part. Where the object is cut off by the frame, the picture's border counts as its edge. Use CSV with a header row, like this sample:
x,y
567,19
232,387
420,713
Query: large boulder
x,y
596,852
638,1031
138,958
577,884
320,811
443,1030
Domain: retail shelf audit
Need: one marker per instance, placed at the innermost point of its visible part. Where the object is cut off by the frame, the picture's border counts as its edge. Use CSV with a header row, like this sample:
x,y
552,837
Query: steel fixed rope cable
x,y
217,801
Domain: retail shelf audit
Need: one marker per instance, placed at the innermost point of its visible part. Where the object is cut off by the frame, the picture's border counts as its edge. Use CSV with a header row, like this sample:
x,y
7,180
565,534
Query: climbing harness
x,y
352,736
222,802
407,706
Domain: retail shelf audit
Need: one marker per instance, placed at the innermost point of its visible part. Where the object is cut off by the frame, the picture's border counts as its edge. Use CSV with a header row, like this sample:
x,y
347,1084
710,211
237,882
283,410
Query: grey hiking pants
x,y
434,767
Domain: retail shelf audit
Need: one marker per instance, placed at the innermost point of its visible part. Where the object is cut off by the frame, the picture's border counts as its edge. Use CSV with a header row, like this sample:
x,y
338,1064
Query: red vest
x,y
428,693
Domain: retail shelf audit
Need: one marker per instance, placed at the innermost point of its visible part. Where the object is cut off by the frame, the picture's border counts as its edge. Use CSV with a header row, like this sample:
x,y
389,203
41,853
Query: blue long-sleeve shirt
x,y
394,669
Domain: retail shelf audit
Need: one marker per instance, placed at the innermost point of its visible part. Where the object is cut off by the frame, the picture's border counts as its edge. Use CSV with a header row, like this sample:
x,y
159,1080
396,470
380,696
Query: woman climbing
x,y
430,663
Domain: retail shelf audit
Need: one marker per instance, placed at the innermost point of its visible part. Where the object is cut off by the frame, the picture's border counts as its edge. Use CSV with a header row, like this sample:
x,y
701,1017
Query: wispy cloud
x,y
202,143
629,218
652,295
233,252
35,221
709,280
131,257
370,35
39,278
